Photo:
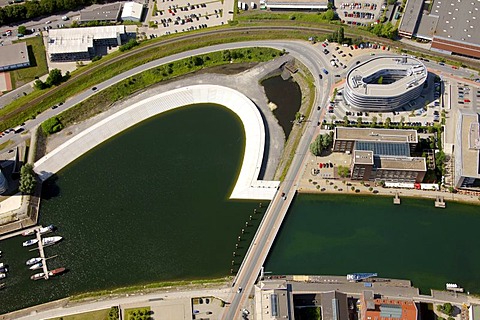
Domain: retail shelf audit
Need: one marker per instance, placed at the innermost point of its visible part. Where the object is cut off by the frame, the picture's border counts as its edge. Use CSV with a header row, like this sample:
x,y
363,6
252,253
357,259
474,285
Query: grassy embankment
x,y
93,315
83,82
38,63
152,286
125,88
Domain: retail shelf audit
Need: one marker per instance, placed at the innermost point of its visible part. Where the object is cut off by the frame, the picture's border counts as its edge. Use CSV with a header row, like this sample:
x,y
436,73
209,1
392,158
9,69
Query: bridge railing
x,y
253,240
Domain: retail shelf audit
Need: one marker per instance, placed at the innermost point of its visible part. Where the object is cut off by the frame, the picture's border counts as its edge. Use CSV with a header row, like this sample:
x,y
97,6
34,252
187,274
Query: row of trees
x,y
55,77
385,30
36,8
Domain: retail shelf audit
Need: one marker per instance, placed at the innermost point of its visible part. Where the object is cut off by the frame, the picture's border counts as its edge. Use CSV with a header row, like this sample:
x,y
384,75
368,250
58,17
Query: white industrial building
x,y
132,11
82,44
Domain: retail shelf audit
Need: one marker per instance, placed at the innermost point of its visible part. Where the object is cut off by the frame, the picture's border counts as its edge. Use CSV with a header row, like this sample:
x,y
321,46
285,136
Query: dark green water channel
x,y
336,235
287,96
149,205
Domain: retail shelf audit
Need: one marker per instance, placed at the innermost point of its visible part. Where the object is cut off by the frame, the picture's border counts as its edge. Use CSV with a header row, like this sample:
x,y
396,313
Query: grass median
x,y
12,117
104,99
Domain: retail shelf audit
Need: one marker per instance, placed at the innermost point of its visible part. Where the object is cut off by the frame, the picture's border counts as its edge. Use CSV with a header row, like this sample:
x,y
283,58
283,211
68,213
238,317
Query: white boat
x,y
46,229
2,275
51,240
36,266
37,276
30,242
2,264
33,261
28,232
3,270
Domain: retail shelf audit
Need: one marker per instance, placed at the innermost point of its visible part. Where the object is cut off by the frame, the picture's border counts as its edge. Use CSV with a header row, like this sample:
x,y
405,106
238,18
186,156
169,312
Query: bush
x,y
129,45
51,126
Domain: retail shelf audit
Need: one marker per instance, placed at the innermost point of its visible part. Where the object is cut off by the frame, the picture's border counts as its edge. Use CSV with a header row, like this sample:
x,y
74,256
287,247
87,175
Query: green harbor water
x,y
149,205
340,234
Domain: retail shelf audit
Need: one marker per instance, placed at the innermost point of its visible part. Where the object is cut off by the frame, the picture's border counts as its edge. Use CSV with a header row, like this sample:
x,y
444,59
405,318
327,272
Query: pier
x,y
42,253
396,200
439,202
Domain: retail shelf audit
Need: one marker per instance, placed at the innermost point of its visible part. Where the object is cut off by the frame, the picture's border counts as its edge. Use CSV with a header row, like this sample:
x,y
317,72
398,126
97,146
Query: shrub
x,y
51,126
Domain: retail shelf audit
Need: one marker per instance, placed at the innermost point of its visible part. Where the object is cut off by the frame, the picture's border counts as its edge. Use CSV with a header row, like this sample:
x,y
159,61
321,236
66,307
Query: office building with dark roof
x,y
14,56
381,154
450,25
384,83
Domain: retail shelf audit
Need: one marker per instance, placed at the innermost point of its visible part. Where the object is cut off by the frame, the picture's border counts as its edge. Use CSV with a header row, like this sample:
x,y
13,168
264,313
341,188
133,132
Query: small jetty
x,y
396,200
439,202
42,243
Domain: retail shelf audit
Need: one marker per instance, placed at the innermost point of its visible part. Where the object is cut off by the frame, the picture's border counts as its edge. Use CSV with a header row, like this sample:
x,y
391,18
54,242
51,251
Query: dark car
x,y
325,71
320,76
94,88
54,107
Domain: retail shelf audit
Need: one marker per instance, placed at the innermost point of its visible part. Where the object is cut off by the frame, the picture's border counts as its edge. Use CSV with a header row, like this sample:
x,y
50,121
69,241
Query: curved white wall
x,y
247,186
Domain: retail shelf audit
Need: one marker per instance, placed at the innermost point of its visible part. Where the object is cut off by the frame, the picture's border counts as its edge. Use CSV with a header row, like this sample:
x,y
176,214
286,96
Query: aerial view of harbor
x,y
239,160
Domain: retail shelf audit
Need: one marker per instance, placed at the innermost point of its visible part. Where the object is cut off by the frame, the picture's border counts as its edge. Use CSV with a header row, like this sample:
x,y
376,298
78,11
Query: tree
x,y
359,121
380,80
345,120
39,84
22,30
387,122
329,15
54,78
374,122
391,2
341,35
343,171
27,179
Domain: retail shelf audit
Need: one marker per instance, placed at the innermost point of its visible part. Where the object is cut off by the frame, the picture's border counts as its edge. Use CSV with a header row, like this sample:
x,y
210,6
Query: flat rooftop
x,y
401,163
408,72
362,157
459,20
427,26
13,54
470,145
79,39
107,12
374,134
410,16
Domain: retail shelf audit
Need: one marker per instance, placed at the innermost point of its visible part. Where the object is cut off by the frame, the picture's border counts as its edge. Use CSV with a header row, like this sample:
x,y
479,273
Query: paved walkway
x,y
247,186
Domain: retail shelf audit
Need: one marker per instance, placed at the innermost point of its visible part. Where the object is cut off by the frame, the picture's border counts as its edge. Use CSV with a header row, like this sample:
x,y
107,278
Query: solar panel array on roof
x,y
384,148
390,311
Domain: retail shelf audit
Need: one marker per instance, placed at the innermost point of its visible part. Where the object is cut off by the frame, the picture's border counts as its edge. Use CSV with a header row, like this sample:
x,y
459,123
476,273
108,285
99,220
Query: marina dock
x,y
42,252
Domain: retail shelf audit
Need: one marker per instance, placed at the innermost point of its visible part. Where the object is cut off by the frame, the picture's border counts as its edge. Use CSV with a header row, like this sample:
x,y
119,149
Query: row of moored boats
x,y
38,262
3,272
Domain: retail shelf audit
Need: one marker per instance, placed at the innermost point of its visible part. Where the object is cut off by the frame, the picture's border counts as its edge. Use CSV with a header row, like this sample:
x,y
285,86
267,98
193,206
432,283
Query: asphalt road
x,y
267,231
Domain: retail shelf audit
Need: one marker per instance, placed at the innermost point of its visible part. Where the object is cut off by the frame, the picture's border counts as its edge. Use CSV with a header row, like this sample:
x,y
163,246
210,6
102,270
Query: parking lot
x,y
186,15
360,13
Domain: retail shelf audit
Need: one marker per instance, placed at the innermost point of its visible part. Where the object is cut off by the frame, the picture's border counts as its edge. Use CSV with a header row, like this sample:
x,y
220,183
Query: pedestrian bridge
x,y
247,186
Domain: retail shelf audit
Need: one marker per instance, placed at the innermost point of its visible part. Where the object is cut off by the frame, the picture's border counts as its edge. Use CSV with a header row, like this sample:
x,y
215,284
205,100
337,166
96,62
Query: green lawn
x,y
38,63
137,313
93,315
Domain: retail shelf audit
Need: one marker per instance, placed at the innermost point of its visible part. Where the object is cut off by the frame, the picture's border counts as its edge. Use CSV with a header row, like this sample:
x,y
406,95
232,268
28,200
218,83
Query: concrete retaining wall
x,y
247,186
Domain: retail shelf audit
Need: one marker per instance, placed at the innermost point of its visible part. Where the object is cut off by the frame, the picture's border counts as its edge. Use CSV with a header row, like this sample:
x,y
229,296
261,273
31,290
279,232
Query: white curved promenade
x,y
247,185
